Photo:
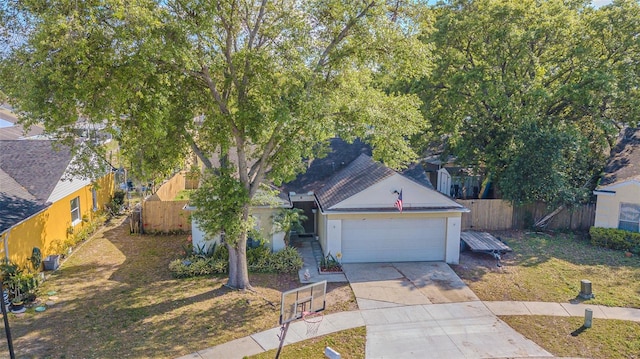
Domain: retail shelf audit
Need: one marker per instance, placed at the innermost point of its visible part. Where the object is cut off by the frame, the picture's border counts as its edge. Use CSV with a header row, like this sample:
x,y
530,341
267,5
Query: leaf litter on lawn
x,y
118,299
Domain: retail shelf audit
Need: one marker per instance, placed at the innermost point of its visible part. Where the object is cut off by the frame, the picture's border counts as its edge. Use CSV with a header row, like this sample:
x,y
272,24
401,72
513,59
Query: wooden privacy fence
x,y
497,214
169,189
165,217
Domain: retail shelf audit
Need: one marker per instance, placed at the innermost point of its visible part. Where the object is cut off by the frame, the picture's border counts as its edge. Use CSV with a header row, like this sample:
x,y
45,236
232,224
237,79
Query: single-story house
x,y
350,200
618,194
42,200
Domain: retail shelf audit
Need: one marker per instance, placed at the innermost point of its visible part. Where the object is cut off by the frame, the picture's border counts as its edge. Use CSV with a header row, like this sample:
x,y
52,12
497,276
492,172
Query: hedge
x,y
614,238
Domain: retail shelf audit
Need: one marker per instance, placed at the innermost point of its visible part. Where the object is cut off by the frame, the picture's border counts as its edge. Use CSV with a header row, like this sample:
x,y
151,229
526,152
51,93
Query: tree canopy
x,y
252,87
533,92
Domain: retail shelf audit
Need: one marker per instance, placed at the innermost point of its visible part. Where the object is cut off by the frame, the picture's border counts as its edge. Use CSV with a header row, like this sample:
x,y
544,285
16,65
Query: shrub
x,y
20,284
196,266
614,238
259,260
287,260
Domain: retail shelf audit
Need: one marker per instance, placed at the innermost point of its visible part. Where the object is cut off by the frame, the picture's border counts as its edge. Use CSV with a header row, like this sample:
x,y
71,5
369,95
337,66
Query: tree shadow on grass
x,y
117,298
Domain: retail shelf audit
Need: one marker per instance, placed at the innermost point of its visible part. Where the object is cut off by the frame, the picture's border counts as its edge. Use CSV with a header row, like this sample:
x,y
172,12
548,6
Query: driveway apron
x,y
424,310
383,285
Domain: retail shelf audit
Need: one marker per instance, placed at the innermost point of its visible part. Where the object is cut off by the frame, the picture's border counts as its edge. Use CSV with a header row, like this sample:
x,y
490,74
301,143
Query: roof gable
x,y
34,164
612,187
382,196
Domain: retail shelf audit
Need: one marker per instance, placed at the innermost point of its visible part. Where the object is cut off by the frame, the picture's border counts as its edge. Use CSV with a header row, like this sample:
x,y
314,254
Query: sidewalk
x,y
562,310
268,340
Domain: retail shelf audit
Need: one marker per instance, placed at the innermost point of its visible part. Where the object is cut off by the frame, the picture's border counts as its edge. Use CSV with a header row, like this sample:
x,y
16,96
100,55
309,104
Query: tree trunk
x,y
233,266
238,271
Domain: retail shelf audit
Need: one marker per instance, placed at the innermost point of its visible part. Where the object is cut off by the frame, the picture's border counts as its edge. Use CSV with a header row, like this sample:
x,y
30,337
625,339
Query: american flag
x,y
398,203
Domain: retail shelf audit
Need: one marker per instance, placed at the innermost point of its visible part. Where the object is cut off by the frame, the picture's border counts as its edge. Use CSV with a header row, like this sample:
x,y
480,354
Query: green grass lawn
x,y
549,268
349,343
184,195
563,336
115,298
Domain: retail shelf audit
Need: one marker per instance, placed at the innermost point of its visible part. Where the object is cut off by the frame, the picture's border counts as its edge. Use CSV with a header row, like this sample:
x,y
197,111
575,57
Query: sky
x,y
598,3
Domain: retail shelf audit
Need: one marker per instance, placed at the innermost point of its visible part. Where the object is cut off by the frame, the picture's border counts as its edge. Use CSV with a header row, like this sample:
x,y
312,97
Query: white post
x,y
588,318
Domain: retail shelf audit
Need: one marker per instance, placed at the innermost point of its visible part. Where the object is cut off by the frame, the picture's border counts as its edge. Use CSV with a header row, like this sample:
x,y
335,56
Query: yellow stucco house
x,y
42,201
618,195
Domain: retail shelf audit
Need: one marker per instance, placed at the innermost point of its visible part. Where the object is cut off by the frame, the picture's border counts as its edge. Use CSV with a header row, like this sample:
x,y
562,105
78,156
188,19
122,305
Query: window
x,y
75,211
629,219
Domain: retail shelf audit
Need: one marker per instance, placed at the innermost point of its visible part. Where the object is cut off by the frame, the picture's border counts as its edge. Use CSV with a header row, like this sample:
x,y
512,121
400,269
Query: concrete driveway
x,y
424,310
383,285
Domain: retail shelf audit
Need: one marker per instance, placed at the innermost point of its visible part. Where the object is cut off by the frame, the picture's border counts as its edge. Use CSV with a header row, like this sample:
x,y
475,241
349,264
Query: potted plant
x,y
329,264
17,304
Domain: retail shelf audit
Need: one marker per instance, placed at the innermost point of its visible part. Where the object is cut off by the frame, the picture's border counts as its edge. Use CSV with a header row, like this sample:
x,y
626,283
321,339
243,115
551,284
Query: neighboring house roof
x,y
34,164
624,163
16,131
16,203
30,170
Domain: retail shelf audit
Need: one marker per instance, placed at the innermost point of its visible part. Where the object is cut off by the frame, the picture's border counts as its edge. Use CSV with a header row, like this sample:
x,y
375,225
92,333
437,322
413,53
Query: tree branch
x,y
229,44
343,33
214,91
196,149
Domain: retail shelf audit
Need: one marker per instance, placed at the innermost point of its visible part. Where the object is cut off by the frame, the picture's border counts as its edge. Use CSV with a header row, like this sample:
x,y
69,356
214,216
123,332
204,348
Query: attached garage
x,y
393,239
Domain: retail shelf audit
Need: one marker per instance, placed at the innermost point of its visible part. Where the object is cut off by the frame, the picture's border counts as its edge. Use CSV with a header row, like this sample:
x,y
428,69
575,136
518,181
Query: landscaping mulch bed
x,y
115,298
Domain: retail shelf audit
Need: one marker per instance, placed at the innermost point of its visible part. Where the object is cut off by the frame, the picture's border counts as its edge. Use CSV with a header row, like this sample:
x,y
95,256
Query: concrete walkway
x,y
442,321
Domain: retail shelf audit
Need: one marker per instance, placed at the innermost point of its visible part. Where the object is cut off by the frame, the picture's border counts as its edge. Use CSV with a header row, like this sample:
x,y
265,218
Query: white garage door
x,y
393,240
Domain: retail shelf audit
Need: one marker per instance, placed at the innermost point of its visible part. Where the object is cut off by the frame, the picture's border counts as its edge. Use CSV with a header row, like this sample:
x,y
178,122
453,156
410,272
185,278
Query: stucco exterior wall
x,y
452,252
264,223
384,195
49,227
608,205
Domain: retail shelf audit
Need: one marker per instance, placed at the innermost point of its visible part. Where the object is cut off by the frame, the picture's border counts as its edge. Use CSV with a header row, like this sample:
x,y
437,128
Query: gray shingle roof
x,y
321,169
34,164
16,131
16,203
359,175
29,172
624,163
346,170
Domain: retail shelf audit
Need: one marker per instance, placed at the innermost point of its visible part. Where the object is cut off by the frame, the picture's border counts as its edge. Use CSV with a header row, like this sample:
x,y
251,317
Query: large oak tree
x,y
259,85
533,92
